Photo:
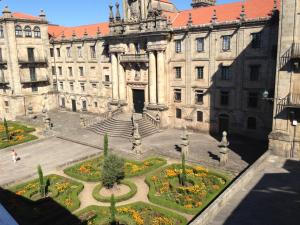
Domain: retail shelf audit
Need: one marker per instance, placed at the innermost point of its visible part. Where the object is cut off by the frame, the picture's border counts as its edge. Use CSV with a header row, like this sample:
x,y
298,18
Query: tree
x,y
113,210
42,182
183,174
105,145
113,171
6,129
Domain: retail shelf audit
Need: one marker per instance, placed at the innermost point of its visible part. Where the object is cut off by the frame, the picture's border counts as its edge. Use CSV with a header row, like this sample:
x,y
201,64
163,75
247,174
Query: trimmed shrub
x,y
112,171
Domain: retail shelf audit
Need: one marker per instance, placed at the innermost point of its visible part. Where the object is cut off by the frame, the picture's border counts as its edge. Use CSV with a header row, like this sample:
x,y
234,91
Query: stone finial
x,y
98,32
150,8
159,9
275,5
224,149
169,23
137,139
214,17
6,12
73,34
42,14
111,14
118,15
243,14
185,143
85,34
190,20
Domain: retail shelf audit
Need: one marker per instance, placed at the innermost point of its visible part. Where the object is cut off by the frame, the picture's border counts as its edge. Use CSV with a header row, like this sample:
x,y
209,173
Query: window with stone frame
x,y
178,113
79,52
1,58
37,32
96,104
253,99
107,78
30,54
61,85
93,52
225,73
32,73
94,85
254,72
68,52
18,31
199,116
137,48
200,44
224,98
81,71
1,32
199,72
54,86
58,52
6,103
28,32
71,86
84,105
82,87
60,70
178,46
51,52
34,88
178,72
199,94
53,70
226,42
251,123
177,95
256,40
70,71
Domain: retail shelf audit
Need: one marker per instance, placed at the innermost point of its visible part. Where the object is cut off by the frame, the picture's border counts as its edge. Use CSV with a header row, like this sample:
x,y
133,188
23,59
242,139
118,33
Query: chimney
x,y
203,3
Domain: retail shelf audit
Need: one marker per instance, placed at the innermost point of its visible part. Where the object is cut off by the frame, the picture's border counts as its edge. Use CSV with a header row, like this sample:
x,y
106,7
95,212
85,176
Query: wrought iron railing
x,y
295,54
290,101
134,58
292,53
35,60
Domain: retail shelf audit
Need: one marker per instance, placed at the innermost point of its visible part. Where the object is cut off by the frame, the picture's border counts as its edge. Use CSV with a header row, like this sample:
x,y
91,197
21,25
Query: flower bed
x,y
138,213
130,194
18,134
201,188
62,190
91,170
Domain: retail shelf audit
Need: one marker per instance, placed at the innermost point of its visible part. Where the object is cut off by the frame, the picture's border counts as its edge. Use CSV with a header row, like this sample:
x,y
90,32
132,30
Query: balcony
x,y
292,54
290,101
34,80
32,61
295,51
3,61
134,58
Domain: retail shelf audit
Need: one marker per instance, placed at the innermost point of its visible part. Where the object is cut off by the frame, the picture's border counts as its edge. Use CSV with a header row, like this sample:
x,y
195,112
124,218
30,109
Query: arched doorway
x,y
223,123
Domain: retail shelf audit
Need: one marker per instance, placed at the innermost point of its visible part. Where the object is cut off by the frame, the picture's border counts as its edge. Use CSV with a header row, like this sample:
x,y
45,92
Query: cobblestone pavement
x,y
271,198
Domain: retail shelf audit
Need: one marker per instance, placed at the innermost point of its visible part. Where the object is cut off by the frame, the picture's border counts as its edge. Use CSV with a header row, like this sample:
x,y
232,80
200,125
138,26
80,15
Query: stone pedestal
x,y
137,140
224,149
185,145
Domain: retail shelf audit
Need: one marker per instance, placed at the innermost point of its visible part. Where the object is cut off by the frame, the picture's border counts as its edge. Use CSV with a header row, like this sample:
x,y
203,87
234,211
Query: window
x,y
107,78
254,72
178,46
34,88
6,104
32,73
82,86
19,32
224,101
84,105
51,52
1,59
79,51
68,52
63,102
199,72
70,71
256,40
59,70
93,52
226,43
178,113
58,52
96,104
71,86
199,97
251,123
199,116
200,44
225,73
178,72
252,100
28,32
61,85
94,85
137,48
53,70
37,32
177,95
81,73
30,54
1,32
54,86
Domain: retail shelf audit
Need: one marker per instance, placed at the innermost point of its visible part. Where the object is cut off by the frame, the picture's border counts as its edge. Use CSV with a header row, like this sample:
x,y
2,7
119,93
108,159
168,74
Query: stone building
x,y
285,137
205,67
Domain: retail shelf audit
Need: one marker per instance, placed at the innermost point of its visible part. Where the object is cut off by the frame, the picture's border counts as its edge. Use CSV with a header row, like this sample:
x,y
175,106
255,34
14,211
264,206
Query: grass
x,y
202,187
138,213
90,170
18,134
62,190
130,194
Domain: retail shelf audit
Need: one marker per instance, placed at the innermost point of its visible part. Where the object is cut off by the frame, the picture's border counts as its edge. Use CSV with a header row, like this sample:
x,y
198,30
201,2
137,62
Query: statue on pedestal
x,y
185,144
224,149
137,140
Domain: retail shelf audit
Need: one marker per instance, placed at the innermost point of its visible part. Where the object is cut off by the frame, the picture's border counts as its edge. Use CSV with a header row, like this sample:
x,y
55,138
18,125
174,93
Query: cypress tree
x,y
113,210
6,129
105,145
41,181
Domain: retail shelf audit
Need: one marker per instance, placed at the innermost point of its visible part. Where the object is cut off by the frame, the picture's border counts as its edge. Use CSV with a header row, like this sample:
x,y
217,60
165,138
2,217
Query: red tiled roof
x,y
225,13
24,16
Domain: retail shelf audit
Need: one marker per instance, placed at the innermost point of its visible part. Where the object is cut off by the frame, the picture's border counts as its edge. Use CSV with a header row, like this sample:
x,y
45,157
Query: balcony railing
x,y
39,60
290,101
3,61
295,52
38,79
128,58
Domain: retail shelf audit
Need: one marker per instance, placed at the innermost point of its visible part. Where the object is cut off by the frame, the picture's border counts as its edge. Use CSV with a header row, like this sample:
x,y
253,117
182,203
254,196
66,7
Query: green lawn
x,y
18,134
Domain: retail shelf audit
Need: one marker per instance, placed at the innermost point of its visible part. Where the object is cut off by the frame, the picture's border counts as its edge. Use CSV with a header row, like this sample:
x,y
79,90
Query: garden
x,y
12,133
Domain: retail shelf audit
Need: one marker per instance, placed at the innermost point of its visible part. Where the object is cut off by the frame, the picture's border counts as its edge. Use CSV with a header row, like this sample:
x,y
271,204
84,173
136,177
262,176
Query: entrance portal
x,y
223,123
138,100
74,105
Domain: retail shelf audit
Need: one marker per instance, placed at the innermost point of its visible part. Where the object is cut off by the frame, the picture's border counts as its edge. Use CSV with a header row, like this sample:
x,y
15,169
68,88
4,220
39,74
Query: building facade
x,y
205,67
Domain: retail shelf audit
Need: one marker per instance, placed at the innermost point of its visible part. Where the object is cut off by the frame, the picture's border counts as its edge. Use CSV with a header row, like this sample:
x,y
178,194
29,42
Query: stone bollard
x,y
224,149
185,143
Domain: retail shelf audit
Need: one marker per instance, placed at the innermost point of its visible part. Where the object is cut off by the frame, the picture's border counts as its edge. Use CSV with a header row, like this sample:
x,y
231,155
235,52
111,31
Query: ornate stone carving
x,y
133,10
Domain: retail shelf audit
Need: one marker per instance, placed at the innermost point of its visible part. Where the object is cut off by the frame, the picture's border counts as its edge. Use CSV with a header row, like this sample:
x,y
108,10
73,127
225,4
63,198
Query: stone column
x,y
114,72
152,78
122,83
161,77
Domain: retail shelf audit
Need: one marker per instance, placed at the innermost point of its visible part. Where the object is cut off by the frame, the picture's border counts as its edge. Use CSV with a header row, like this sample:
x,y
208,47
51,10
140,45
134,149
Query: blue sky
x,y
75,12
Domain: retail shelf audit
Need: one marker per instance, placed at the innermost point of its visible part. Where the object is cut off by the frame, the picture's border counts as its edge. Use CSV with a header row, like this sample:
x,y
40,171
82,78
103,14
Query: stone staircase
x,y
121,126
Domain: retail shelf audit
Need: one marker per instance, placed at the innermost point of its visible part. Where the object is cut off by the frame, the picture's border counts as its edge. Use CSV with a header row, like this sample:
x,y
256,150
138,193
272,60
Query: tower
x,y
202,3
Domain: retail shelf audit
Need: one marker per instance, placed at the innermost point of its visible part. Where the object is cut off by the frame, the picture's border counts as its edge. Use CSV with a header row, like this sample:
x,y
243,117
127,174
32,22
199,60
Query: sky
x,y
75,12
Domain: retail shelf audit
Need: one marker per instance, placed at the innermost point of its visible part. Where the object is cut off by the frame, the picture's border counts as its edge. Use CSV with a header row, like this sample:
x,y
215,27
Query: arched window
x,y
37,32
1,32
251,123
28,32
19,32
